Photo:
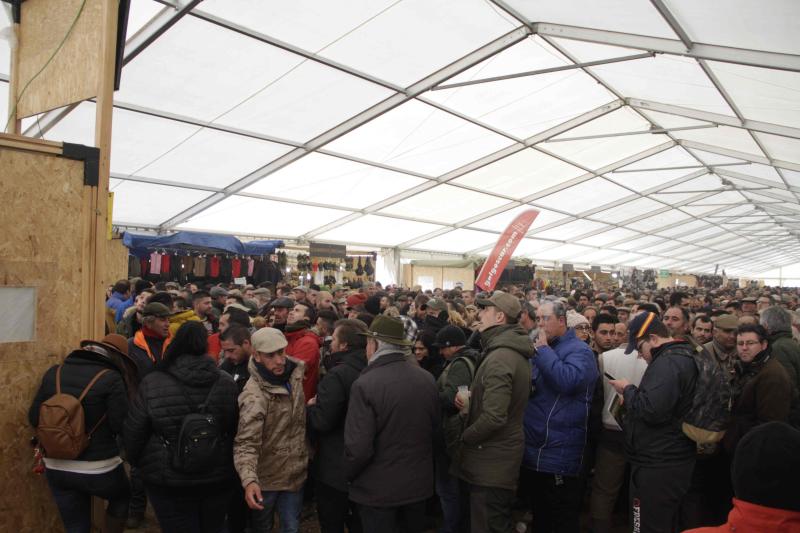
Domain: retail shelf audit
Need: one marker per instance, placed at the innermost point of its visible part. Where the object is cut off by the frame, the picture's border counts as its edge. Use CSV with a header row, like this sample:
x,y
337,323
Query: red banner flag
x,y
503,250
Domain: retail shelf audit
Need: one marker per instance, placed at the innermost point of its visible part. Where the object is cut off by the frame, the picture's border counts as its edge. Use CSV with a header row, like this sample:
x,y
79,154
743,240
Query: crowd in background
x,y
398,409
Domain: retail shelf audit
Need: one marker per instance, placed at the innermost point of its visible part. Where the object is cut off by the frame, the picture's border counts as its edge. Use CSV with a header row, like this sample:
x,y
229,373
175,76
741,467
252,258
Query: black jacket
x,y
143,362
107,397
655,410
157,413
389,433
326,418
239,373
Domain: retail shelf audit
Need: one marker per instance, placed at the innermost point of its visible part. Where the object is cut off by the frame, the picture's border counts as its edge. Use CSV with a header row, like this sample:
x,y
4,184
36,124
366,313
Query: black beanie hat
x,y
766,467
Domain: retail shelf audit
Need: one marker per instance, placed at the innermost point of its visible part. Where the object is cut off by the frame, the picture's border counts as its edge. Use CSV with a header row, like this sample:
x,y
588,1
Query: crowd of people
x,y
402,410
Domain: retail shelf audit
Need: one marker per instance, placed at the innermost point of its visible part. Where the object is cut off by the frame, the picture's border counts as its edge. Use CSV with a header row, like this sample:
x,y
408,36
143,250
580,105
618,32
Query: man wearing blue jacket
x,y
564,373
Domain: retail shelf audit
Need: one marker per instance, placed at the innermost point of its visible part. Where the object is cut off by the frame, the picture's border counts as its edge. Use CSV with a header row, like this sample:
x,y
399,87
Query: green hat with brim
x,y
387,329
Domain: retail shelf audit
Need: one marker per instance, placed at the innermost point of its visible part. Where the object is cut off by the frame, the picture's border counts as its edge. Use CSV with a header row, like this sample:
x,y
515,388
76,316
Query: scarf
x,y
297,326
747,371
269,377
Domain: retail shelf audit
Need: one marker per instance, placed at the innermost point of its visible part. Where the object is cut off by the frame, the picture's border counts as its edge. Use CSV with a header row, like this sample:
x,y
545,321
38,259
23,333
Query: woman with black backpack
x,y
179,434
78,411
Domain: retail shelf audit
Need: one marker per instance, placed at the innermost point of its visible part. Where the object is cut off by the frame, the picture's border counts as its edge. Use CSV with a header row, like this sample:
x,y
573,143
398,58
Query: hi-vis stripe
x,y
645,325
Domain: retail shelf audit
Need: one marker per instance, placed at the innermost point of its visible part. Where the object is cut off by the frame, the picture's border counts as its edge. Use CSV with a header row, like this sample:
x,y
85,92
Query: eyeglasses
x,y
582,327
543,318
747,343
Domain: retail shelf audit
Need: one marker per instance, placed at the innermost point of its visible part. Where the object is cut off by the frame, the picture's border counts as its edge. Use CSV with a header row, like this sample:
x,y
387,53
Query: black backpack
x,y
199,445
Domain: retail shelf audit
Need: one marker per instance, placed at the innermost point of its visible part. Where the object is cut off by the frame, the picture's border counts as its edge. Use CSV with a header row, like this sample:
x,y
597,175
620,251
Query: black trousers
x,y
238,518
656,495
138,495
73,493
556,502
409,518
708,501
335,510
198,509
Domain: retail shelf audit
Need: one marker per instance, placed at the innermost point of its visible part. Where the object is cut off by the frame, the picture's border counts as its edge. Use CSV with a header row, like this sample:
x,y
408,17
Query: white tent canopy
x,y
661,133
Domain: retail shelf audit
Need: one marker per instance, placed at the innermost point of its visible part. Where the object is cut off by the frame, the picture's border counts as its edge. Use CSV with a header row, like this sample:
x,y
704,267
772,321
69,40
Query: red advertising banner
x,y
503,250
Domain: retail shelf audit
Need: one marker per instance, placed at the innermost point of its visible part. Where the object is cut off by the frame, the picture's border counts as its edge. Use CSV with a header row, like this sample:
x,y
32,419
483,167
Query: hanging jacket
x,y
157,413
557,415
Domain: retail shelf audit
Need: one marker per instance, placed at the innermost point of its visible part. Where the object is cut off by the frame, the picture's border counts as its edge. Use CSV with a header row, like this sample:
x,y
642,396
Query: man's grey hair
x,y
383,345
776,319
559,309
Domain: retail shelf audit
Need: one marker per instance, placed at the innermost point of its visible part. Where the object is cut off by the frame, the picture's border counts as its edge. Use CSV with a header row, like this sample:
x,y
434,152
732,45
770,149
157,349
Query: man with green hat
x,y
389,432
148,345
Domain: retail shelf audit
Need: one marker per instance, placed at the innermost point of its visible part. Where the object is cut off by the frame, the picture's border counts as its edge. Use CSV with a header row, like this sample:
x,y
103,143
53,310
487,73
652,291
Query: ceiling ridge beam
x,y
739,155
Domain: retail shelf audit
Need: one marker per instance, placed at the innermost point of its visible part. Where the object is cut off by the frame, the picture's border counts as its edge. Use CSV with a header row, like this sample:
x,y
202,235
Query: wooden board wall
x,y
74,72
41,245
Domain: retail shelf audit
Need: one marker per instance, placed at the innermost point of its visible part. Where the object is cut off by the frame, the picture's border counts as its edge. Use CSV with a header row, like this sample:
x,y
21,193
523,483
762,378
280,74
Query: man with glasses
x,y
762,389
662,457
556,418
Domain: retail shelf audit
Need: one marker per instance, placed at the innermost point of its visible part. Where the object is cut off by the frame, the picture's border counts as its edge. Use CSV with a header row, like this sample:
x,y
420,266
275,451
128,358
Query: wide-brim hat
x,y
112,341
387,329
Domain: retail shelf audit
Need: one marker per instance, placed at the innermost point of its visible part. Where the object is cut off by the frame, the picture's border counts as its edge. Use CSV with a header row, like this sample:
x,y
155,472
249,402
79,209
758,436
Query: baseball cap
x,y
268,340
638,328
503,301
450,336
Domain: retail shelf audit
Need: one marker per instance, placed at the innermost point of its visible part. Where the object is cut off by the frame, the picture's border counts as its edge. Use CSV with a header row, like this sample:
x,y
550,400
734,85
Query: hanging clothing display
x,y
166,259
213,267
155,263
236,268
250,266
199,268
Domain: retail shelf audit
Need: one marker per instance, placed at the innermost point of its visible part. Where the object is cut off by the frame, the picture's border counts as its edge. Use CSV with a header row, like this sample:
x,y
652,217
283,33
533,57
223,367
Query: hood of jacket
x,y
194,370
184,316
356,358
511,336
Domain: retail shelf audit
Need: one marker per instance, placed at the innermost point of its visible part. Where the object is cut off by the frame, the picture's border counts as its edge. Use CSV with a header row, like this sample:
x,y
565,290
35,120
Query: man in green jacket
x,y
778,323
493,440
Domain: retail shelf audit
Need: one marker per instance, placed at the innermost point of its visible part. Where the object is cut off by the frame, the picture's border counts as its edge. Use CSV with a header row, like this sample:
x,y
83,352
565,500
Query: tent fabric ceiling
x,y
657,133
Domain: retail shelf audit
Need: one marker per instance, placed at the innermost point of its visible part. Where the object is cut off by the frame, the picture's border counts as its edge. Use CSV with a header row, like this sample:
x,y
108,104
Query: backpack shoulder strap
x,y
58,379
469,364
208,396
89,386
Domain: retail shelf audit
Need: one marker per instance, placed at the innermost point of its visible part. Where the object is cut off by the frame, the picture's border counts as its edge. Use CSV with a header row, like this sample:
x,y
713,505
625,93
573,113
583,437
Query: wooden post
x,y
14,125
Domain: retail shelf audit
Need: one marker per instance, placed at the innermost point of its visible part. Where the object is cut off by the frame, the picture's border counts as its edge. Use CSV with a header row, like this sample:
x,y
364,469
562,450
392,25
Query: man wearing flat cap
x,y
148,345
662,457
493,440
723,344
392,417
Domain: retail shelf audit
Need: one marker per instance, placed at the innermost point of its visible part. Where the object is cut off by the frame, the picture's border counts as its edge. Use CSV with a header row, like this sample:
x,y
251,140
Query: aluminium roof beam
x,y
725,54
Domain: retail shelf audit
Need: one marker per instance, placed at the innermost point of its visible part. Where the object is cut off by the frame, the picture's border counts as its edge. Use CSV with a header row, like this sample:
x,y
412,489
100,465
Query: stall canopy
x,y
661,133
195,242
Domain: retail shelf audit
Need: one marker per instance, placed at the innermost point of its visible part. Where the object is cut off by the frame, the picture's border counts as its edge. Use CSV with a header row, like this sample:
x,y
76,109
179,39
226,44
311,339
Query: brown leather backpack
x,y
62,427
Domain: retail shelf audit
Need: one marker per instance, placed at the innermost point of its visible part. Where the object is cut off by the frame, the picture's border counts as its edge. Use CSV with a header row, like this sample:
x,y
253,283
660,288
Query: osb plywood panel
x,y
73,74
41,247
116,261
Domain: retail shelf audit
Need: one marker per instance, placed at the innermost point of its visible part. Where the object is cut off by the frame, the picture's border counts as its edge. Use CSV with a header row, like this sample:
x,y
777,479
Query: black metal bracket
x,y
90,156
15,9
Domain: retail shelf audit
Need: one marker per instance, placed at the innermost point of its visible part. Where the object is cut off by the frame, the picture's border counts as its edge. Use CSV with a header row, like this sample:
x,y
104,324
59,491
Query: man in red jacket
x,y
304,344
766,482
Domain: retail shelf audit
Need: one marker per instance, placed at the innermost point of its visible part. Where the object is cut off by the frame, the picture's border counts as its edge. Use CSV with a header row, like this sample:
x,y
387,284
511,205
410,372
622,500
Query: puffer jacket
x,y
157,414
654,410
326,418
178,319
493,441
557,416
107,396
270,448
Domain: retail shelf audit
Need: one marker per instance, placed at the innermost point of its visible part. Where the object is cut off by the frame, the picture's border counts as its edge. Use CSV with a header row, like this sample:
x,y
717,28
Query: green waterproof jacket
x,y
787,351
458,371
493,440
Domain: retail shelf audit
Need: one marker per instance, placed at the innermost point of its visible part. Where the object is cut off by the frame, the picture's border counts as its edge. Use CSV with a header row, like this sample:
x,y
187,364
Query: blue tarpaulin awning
x,y
190,241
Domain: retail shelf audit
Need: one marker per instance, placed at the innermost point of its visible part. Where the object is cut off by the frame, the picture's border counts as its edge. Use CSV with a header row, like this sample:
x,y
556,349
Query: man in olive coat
x,y
494,440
